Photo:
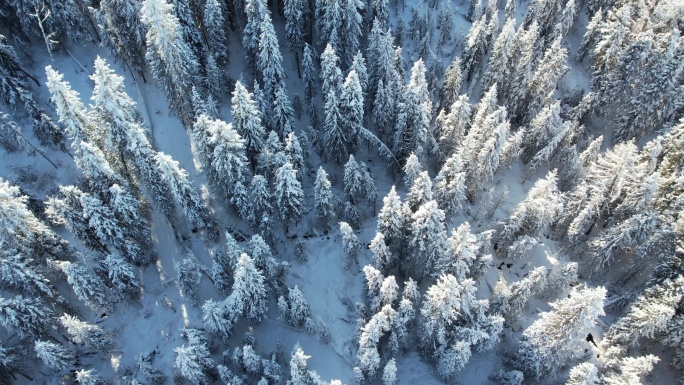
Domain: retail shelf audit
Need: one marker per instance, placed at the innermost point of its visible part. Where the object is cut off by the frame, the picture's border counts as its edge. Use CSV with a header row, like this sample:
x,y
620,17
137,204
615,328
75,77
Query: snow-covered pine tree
x,y
120,274
412,133
77,121
89,377
540,208
269,61
184,193
351,32
116,111
261,254
298,307
334,139
497,68
123,33
420,191
324,200
194,360
283,114
24,316
21,230
54,356
188,278
513,89
16,89
566,20
23,274
463,250
585,373
428,240
259,200
545,79
309,77
442,311
453,359
649,315
451,86
214,24
228,158
217,318
249,297
391,220
295,26
331,75
255,12
329,19
171,59
368,356
451,126
288,194
389,374
556,337
351,108
474,50
450,190
88,287
351,244
382,255
247,121
299,374
81,332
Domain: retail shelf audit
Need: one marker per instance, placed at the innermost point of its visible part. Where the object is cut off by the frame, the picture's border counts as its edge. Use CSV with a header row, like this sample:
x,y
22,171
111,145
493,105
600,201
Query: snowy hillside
x,y
311,192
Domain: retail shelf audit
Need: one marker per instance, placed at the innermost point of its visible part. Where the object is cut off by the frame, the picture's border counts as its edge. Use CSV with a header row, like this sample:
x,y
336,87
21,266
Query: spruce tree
x,y
269,60
558,335
172,61
123,32
288,194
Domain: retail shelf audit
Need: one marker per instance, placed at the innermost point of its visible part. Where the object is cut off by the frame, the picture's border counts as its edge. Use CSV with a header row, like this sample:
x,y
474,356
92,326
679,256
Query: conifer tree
x,y
269,60
452,83
309,73
294,26
335,139
21,230
556,337
545,78
247,120
217,318
283,114
474,50
542,205
255,12
194,360
82,332
323,197
497,68
583,374
351,108
25,316
259,200
288,194
450,185
428,239
451,126
391,221
214,24
172,61
351,244
123,32
184,193
16,90
88,287
54,356
414,114
249,297
351,31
